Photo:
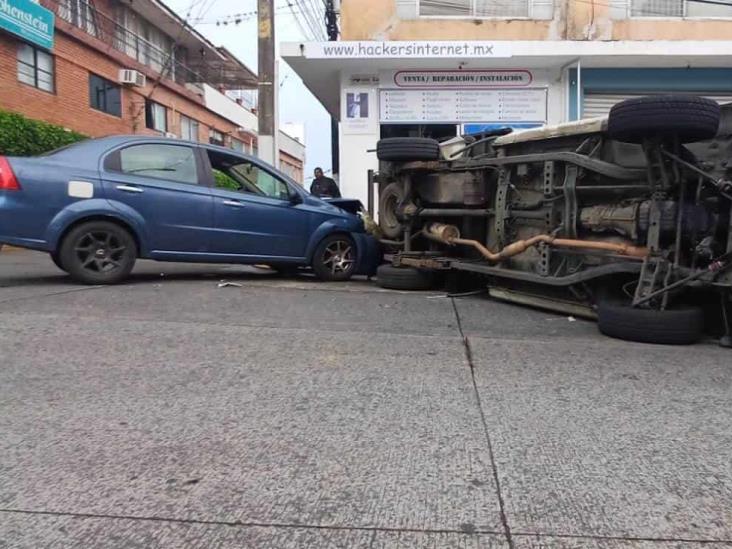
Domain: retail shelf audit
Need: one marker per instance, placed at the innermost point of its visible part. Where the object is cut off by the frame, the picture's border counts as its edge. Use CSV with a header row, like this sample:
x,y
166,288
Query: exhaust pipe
x,y
450,235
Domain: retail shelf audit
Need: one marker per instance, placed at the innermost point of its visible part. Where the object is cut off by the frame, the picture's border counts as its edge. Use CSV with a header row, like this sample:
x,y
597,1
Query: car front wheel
x,y
335,258
98,252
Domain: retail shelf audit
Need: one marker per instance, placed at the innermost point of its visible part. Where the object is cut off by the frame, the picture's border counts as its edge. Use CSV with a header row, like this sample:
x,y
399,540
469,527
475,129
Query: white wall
x,y
355,161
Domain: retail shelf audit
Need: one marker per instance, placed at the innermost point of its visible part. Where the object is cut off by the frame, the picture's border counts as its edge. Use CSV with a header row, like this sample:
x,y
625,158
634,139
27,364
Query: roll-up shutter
x,y
599,104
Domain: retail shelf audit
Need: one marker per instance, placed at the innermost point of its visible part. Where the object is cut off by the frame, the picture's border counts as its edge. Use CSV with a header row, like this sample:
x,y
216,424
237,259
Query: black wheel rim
x,y
100,252
338,257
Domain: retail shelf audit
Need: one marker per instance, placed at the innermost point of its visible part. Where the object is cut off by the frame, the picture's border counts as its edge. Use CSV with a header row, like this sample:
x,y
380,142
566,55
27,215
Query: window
x,y
104,95
657,8
174,162
144,42
233,173
156,116
35,68
474,8
188,128
237,145
679,8
79,13
215,137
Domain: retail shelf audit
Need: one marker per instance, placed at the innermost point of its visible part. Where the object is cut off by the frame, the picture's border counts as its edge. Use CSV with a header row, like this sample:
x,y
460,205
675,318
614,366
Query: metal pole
x,y
267,84
370,193
579,89
331,26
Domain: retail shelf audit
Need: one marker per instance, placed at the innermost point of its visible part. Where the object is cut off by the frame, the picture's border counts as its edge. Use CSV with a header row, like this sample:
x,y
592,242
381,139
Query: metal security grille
x,y
474,8
599,104
657,8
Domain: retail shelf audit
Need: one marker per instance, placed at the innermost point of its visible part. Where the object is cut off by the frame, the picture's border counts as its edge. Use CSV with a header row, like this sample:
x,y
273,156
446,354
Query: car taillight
x,y
8,181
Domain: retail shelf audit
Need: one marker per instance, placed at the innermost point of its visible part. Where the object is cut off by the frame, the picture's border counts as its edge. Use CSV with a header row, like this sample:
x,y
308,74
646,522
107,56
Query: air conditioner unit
x,y
132,77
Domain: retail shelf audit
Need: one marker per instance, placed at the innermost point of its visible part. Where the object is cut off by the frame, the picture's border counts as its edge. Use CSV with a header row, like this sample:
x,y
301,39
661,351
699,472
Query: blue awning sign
x,y
30,21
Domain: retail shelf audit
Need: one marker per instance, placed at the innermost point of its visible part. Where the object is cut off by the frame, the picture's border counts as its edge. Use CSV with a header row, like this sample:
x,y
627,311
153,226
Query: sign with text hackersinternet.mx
x,y
403,50
28,20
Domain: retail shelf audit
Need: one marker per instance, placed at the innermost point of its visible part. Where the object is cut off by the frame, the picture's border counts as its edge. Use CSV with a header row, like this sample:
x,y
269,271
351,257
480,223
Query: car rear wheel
x,y
335,258
98,252
404,278
57,261
681,326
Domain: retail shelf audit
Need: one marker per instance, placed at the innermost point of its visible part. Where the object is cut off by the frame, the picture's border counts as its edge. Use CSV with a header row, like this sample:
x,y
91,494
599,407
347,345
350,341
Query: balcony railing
x,y
86,17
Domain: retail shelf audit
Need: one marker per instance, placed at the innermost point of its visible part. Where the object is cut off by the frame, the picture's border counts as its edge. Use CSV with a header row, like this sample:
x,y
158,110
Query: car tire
x,y
407,149
681,326
334,259
688,118
98,252
404,278
389,200
57,261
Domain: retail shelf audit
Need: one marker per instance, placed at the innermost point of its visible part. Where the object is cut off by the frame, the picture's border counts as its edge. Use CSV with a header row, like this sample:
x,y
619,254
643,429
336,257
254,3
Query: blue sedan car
x,y
98,205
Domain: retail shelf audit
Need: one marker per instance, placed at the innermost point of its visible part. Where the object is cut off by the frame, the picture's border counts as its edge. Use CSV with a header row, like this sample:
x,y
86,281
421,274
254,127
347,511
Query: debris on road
x,y
224,284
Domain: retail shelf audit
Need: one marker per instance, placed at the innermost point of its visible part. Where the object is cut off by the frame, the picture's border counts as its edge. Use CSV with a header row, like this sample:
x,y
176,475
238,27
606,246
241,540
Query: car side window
x,y
236,174
172,162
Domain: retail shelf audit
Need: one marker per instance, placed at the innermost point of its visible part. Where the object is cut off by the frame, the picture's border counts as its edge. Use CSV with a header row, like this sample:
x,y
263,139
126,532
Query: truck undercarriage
x,y
625,218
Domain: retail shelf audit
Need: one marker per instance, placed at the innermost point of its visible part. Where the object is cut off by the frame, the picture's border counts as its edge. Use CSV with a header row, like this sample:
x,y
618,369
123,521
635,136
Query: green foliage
x,y
225,181
21,136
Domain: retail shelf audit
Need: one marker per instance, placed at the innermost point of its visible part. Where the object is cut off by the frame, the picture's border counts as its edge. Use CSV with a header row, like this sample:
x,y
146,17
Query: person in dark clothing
x,y
324,187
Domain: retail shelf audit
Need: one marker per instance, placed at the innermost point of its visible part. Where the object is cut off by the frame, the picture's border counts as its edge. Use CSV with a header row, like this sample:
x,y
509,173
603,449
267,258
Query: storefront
x,y
444,89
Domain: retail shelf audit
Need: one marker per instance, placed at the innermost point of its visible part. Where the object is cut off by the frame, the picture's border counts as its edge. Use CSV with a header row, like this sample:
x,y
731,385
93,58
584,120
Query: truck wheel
x,y
406,149
682,326
689,118
404,278
98,252
334,259
389,200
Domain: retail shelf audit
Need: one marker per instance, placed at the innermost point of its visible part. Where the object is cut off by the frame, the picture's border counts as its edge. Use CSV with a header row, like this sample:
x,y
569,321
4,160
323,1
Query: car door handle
x,y
128,189
233,203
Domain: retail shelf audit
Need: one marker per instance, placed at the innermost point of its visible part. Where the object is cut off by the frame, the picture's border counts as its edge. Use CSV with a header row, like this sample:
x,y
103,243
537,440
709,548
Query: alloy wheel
x,y
100,251
338,257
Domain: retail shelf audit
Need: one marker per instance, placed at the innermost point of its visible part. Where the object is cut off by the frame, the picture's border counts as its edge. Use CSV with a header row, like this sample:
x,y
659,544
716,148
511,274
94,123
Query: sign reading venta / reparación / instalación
x,y
28,20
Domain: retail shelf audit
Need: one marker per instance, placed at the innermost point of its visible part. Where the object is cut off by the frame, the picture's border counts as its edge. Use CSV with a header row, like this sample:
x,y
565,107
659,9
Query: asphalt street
x,y
283,412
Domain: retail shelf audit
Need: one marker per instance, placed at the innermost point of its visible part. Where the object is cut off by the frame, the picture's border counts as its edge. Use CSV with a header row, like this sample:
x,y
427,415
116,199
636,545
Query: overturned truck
x,y
625,218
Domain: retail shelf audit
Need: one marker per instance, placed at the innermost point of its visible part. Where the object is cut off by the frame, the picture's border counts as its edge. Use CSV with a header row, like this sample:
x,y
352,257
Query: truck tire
x,y
404,278
689,118
389,200
682,326
407,149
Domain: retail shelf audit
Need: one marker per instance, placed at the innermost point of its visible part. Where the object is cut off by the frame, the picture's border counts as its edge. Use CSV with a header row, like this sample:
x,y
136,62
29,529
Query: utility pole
x,y
267,84
331,26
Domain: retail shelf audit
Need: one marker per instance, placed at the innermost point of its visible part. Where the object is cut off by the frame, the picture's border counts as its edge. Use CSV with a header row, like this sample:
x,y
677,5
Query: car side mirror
x,y
295,198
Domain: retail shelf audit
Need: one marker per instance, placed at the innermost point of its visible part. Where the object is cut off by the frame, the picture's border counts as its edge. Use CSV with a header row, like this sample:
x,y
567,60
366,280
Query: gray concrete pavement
x,y
169,412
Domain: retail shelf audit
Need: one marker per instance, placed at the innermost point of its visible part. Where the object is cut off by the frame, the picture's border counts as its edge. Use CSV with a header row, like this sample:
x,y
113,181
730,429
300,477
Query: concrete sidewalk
x,y
170,412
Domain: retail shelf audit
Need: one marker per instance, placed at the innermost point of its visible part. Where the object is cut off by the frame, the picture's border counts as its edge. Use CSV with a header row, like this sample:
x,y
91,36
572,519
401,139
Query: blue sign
x,y
30,21
470,129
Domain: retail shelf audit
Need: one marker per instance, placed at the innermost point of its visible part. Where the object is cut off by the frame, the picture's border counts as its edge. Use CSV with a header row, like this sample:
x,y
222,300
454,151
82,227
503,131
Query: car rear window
x,y
172,162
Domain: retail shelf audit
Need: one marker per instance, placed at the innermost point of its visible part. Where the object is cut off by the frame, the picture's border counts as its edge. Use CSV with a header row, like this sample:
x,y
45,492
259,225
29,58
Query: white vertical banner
x,y
359,111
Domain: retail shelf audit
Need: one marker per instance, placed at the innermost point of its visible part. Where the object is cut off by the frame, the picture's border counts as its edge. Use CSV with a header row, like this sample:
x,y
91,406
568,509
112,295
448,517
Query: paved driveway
x,y
170,412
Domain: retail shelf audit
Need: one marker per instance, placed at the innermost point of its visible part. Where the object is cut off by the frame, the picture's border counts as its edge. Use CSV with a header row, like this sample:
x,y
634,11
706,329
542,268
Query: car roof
x,y
89,150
